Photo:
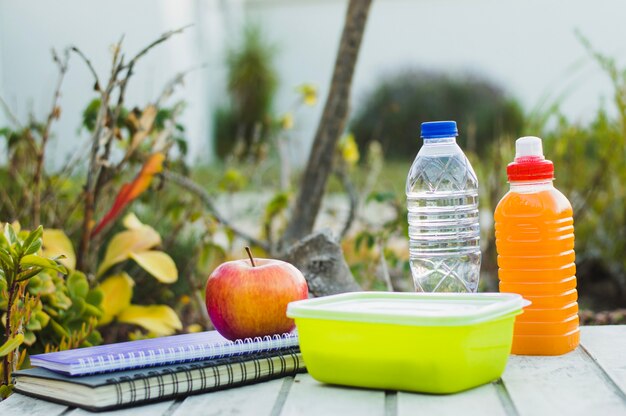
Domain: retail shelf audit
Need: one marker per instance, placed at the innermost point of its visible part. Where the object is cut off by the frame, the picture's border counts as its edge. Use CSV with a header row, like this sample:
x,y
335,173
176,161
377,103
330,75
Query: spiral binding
x,y
192,352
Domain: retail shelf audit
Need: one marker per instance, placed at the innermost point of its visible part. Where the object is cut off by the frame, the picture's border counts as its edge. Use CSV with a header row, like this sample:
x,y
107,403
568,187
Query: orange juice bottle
x,y
535,245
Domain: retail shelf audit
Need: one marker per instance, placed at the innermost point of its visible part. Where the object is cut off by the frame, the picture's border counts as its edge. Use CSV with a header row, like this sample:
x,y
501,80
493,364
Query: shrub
x,y
589,169
252,83
391,113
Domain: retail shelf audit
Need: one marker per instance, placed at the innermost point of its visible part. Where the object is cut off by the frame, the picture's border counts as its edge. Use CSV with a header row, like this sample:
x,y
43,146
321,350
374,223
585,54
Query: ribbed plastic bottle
x,y
442,200
535,245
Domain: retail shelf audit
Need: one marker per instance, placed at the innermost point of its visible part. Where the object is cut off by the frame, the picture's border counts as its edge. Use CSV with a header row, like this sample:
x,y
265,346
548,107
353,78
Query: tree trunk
x,y
331,126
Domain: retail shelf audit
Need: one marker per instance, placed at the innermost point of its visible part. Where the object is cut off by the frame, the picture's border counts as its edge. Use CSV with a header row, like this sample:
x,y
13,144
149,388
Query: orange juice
x,y
535,245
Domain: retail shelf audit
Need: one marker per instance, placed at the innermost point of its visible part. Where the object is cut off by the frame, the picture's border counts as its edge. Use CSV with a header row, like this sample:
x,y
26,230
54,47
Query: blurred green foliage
x,y
393,111
40,308
243,124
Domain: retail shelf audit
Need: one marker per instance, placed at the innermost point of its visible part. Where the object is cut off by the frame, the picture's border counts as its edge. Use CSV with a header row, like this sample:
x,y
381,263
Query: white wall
x,y
30,28
528,47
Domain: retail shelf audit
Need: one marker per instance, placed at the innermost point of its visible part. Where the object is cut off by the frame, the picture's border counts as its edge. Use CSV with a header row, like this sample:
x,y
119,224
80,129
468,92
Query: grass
x,y
265,176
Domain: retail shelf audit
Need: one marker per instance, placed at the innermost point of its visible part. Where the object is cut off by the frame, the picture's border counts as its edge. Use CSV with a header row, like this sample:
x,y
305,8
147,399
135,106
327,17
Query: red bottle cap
x,y
529,163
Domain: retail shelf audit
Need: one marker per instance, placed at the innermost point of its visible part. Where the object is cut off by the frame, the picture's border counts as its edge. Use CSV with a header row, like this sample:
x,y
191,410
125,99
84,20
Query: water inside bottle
x,y
444,232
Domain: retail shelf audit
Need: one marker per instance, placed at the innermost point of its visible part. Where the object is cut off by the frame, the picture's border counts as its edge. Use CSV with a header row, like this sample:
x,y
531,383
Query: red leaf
x,y
130,191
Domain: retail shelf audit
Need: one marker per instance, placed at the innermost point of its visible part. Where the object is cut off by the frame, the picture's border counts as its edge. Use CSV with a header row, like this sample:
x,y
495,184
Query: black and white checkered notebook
x,y
125,388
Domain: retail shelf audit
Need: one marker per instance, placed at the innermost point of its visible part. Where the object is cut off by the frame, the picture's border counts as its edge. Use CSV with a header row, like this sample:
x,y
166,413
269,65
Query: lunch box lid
x,y
418,309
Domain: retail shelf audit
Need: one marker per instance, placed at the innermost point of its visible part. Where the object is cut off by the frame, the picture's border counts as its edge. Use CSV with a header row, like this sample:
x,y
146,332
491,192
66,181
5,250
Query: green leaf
x,y
33,325
90,114
381,196
4,243
60,301
28,274
35,260
34,247
31,240
78,307
5,257
91,310
5,391
9,233
95,296
277,204
58,328
77,285
43,318
29,338
95,338
11,345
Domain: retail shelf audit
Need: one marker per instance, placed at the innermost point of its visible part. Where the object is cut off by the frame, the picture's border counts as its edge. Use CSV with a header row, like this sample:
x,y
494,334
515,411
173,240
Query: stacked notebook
x,y
117,375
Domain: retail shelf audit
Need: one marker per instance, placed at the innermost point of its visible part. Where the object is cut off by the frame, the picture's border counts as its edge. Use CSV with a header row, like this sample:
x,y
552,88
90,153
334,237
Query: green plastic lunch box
x,y
421,342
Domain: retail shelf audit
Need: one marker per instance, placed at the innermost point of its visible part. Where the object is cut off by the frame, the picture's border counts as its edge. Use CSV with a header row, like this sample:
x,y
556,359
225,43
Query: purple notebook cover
x,y
157,351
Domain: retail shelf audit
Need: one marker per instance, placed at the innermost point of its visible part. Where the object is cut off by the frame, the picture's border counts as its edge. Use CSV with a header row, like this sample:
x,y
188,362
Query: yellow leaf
x,y
286,121
158,264
17,226
144,126
117,291
56,243
195,328
309,94
131,222
159,319
349,149
11,344
126,242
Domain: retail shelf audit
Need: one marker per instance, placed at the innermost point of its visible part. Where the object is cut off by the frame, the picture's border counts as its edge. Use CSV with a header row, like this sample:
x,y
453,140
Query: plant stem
x,y
41,152
189,185
250,255
7,332
94,165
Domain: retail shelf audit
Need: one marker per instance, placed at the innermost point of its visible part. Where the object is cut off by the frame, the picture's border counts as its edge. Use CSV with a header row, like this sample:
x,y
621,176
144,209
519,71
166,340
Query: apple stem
x,y
250,255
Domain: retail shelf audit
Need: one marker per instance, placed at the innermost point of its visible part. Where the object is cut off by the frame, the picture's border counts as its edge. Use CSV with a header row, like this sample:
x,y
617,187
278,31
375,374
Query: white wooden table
x,y
588,381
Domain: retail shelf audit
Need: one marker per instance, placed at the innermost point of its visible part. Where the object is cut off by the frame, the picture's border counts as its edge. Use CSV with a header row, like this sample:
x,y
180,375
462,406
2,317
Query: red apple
x,y
248,298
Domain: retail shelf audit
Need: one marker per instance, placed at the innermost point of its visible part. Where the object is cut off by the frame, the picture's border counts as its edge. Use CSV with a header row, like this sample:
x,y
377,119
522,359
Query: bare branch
x,y
353,196
94,167
177,80
8,203
80,53
106,172
190,186
99,169
384,269
9,114
54,114
165,36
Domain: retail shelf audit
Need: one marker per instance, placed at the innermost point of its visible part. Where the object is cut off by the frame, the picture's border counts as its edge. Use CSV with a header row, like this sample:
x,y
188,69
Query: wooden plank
x,y
483,400
607,346
255,399
570,384
154,409
309,397
19,404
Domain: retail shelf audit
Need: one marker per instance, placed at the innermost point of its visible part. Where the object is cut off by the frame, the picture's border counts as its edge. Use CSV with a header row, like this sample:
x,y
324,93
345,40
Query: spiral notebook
x,y
157,351
131,387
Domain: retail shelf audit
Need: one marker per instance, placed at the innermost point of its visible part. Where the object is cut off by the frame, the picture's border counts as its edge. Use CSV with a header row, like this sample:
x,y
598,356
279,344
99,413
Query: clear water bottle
x,y
442,200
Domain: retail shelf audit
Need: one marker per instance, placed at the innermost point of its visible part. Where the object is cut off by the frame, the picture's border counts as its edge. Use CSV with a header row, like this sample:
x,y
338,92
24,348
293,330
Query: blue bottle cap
x,y
439,129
